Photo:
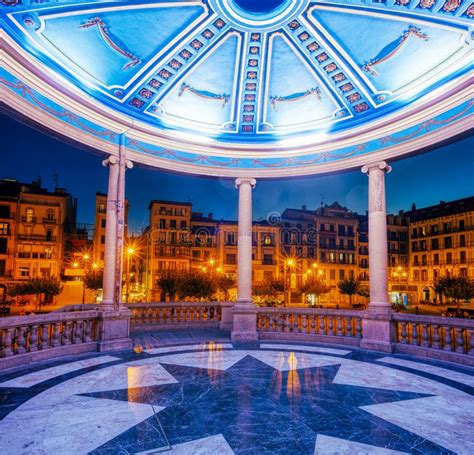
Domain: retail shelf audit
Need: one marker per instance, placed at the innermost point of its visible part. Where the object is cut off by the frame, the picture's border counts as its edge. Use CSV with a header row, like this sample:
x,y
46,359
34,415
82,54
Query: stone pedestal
x,y
226,316
378,333
114,331
244,323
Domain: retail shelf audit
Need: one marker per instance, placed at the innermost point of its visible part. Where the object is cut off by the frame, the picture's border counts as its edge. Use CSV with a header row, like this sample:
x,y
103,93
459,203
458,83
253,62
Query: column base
x,y
115,330
377,330
244,322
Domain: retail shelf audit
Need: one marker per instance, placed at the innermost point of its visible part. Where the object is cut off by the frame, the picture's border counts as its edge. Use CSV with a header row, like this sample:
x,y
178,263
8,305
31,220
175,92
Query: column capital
x,y
380,165
128,164
241,180
111,160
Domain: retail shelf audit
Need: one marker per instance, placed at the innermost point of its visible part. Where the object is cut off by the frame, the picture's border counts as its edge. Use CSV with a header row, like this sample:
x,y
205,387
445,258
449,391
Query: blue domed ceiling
x,y
252,75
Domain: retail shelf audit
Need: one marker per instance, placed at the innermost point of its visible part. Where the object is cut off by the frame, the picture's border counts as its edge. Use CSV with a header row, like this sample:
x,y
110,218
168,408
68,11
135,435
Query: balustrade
x,y
442,334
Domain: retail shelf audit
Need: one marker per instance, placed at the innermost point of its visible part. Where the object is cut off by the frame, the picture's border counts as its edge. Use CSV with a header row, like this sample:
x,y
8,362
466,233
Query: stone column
x,y
377,325
245,313
124,164
110,232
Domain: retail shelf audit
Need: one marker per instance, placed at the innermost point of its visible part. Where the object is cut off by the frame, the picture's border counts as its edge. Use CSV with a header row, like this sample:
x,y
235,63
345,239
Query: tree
x,y
268,293
456,288
38,287
349,286
197,285
169,284
316,287
93,280
224,283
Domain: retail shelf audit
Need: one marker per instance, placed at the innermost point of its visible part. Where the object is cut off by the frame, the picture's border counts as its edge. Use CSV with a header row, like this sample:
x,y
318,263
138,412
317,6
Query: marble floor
x,y
218,397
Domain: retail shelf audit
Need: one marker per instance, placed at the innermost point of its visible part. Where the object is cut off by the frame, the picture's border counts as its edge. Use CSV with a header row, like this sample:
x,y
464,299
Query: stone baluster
x,y
44,343
414,333
6,348
88,330
55,337
448,340
304,324
313,325
322,325
471,342
436,339
459,340
425,338
33,341
77,332
403,332
330,325
349,332
287,323
66,333
339,326
20,339
358,328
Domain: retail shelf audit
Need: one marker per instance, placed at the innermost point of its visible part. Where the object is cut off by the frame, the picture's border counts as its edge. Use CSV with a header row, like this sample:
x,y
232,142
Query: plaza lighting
x,y
290,262
75,265
212,261
314,265
86,257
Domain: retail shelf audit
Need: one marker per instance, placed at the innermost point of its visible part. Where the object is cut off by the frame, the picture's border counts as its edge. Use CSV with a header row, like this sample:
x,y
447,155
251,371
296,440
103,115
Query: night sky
x,y
26,154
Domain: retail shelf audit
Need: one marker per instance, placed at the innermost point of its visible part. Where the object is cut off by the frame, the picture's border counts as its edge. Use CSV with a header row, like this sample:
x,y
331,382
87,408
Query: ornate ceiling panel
x,y
242,84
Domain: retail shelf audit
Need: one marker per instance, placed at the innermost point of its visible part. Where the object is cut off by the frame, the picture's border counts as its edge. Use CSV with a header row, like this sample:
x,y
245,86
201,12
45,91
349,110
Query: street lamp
x,y
289,263
85,257
130,253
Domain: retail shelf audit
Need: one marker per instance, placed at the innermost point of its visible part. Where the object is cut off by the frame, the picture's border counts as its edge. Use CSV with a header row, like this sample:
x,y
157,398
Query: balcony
x,y
50,221
37,238
25,219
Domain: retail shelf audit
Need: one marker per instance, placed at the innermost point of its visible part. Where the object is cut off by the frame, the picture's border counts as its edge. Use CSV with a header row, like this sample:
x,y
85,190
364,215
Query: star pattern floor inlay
x,y
224,398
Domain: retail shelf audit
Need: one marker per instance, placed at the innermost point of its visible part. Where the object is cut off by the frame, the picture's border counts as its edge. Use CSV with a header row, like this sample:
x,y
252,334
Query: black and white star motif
x,y
259,409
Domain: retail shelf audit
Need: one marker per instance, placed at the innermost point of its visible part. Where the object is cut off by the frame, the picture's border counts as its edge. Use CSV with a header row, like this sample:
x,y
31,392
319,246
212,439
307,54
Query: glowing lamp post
x,y
130,253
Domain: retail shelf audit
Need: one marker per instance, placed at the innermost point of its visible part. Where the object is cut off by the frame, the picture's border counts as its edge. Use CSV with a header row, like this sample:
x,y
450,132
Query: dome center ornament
x,y
259,15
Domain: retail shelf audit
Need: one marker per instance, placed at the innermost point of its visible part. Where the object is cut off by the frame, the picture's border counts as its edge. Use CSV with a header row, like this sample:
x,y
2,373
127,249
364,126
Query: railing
x,y
172,314
46,336
425,334
339,326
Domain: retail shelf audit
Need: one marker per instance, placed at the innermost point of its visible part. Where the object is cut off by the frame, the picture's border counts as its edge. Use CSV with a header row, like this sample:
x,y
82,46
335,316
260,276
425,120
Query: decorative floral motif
x,y
185,54
204,94
426,3
255,37
196,44
253,62
248,118
135,102
250,87
330,68
346,87
293,25
105,34
352,98
247,128
175,64
470,11
219,24
295,97
322,57
207,34
251,75
165,74
145,93
362,107
451,5
249,108
254,50
402,2
249,98
303,36
339,77
155,83
312,47
393,48
10,2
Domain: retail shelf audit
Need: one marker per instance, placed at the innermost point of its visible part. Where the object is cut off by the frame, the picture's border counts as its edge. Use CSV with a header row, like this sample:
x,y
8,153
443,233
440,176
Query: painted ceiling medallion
x,y
245,84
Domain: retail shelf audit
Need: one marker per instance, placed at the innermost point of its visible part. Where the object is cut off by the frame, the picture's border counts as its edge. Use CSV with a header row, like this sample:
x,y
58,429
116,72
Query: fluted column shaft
x,y
378,252
244,245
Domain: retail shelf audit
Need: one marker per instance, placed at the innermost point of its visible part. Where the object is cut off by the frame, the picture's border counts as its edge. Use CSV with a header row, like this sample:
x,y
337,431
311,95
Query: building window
x,y
463,272
102,239
434,244
162,224
436,259
101,208
462,257
434,228
449,258
332,274
414,232
447,227
183,224
268,259
4,228
448,242
424,260
416,275
173,224
230,238
230,258
30,214
424,275
196,253
3,266
24,272
462,240
461,225
4,211
268,240
3,246
172,265
341,274
102,222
